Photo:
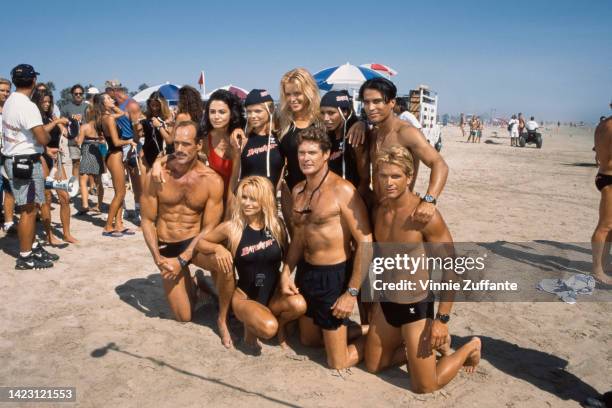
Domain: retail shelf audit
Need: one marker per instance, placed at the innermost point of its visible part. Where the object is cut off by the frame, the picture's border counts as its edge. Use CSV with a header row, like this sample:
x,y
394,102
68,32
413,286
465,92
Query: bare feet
x,y
70,239
52,240
281,335
602,277
445,349
474,357
226,338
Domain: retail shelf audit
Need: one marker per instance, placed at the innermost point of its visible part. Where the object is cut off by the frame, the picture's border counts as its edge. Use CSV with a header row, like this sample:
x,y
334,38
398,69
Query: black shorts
x,y
398,314
173,249
602,180
321,286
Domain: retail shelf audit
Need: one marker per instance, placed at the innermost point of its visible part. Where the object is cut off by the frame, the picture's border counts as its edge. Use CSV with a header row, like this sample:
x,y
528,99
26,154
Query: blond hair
x,y
4,81
260,189
270,126
398,156
308,86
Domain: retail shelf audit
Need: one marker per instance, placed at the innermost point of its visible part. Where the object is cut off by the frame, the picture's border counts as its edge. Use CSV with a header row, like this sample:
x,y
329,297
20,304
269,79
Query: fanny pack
x,y
23,166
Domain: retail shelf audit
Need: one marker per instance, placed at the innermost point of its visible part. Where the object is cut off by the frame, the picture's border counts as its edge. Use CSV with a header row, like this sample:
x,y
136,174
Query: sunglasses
x,y
78,94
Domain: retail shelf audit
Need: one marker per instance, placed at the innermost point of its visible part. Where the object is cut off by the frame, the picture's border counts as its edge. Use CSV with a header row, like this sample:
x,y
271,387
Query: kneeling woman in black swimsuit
x,y
257,243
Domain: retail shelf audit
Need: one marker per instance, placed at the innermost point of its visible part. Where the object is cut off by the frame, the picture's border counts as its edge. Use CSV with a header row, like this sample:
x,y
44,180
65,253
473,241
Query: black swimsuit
x,y
258,259
336,157
253,161
54,142
289,147
109,141
602,180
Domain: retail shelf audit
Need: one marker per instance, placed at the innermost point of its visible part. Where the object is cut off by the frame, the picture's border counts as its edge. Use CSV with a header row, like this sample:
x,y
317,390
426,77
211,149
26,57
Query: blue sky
x,y
552,59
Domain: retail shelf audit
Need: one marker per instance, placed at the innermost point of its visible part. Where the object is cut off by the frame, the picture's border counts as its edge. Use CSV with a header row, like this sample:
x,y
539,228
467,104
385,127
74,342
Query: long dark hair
x,y
190,102
38,97
237,119
164,110
98,110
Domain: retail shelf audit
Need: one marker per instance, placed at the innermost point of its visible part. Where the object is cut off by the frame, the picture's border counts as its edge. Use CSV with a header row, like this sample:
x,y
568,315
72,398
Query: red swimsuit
x,y
219,164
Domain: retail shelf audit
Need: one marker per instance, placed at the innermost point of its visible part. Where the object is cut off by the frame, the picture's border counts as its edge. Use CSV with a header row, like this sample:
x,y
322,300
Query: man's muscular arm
x,y
148,213
438,238
294,254
412,139
213,211
355,214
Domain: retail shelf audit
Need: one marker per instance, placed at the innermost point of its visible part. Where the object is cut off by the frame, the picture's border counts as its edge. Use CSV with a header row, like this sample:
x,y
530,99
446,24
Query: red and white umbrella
x,y
236,90
383,69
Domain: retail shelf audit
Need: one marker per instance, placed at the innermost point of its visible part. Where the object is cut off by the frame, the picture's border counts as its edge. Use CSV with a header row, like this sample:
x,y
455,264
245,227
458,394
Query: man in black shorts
x,y
328,213
403,325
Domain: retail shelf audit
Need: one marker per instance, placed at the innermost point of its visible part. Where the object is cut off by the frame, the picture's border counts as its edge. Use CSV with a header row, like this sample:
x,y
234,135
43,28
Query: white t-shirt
x,y
532,125
410,118
514,123
19,116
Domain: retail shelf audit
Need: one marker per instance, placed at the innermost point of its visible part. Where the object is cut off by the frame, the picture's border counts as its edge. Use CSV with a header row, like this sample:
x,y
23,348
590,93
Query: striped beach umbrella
x,y
345,76
383,69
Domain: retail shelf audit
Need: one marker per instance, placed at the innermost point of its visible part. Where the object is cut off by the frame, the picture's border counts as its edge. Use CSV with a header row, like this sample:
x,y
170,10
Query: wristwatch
x,y
353,292
444,318
182,262
428,198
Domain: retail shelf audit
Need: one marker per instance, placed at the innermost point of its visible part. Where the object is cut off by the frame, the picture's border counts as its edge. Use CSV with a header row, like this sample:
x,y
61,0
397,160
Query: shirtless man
x,y
473,129
378,97
603,232
402,326
328,212
175,215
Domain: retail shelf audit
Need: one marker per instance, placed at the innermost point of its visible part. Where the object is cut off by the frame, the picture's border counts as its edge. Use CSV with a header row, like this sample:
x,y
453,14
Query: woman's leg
x,y
84,190
100,191
64,200
45,209
286,308
115,166
258,319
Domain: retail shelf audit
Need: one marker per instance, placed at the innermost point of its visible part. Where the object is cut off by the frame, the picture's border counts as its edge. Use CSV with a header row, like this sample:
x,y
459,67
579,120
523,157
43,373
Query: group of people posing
x,y
212,203
207,181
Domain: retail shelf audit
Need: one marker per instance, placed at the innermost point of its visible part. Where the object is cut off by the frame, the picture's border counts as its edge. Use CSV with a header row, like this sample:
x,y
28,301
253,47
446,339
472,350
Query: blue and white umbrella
x,y
168,90
345,76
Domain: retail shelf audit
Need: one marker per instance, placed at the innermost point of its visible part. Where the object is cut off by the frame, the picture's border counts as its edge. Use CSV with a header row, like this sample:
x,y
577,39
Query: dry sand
x,y
98,320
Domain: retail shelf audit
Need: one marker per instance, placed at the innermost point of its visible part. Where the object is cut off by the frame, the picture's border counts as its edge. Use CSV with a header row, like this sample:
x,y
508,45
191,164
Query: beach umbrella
x,y
236,90
383,69
168,90
345,76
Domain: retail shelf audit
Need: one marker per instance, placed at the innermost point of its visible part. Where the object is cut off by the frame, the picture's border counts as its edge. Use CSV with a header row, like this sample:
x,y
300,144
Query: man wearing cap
x,y
24,138
131,112
348,161
75,112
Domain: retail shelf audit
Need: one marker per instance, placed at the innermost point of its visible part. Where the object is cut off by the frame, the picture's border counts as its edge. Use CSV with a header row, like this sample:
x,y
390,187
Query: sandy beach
x,y
98,320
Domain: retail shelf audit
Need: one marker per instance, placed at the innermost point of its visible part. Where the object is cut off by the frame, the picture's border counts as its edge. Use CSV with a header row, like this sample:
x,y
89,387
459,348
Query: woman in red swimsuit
x,y
223,115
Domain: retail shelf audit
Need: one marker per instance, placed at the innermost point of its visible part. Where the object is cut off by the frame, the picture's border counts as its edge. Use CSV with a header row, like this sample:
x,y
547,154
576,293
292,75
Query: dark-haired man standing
x,y
378,97
75,112
24,138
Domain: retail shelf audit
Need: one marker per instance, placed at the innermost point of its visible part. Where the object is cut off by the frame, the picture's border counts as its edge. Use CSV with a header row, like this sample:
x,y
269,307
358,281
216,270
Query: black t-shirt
x,y
254,157
153,141
350,159
289,147
55,133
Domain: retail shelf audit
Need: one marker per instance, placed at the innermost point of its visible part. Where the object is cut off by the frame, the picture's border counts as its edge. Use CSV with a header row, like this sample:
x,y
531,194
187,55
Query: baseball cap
x,y
93,91
23,71
336,99
113,83
257,96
